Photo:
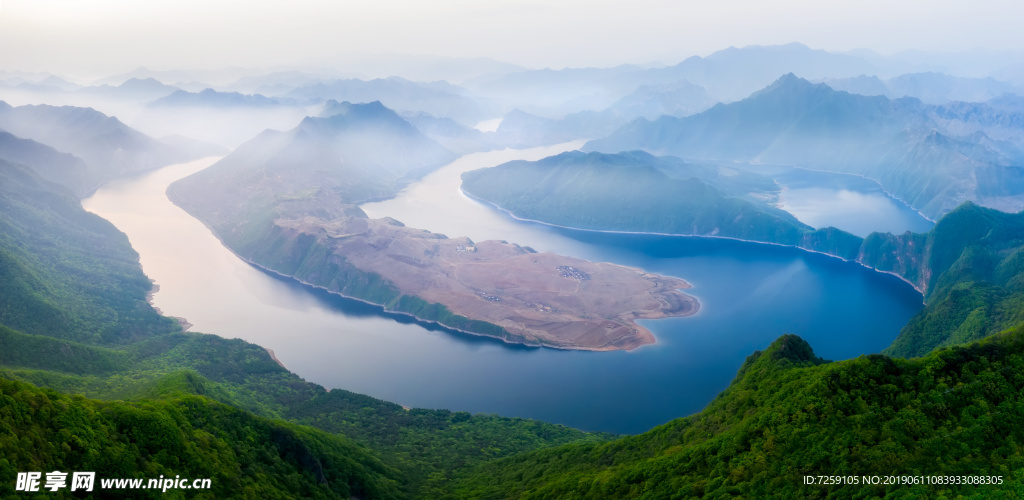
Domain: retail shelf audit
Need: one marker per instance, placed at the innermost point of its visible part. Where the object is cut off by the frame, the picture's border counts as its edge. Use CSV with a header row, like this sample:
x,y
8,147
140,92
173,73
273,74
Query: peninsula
x,y
297,215
490,288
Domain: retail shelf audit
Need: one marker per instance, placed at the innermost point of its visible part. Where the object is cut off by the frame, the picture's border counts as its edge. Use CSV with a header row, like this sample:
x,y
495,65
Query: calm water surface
x,y
848,202
750,294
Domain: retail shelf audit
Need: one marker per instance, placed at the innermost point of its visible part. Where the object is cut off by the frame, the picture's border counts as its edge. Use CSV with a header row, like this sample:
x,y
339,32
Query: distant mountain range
x,y
225,118
933,157
453,135
520,129
213,98
930,88
682,98
728,75
106,147
49,164
134,89
435,98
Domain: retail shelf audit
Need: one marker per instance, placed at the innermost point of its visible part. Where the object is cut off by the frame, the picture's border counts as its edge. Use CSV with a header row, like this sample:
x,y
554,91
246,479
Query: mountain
x,y
793,425
56,81
186,436
727,75
212,98
862,84
109,148
436,98
178,78
921,154
930,87
971,269
425,68
734,73
353,152
225,118
56,258
634,191
48,163
276,83
680,98
454,135
133,89
521,129
559,92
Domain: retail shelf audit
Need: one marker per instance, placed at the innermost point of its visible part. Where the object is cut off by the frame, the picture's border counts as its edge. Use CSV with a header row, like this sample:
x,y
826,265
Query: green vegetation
x,y
74,318
67,273
788,415
971,265
245,456
634,191
37,351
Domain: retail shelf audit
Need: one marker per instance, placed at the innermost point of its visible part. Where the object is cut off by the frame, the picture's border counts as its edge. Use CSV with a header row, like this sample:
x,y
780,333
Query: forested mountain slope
x,y
636,192
788,415
107,147
971,268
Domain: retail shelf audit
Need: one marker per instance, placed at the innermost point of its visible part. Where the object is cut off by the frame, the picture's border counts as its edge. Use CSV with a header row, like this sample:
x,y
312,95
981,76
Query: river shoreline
x,y
184,323
749,296
610,231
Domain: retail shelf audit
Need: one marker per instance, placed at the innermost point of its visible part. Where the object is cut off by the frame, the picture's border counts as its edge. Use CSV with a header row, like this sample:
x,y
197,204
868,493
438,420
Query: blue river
x,y
750,294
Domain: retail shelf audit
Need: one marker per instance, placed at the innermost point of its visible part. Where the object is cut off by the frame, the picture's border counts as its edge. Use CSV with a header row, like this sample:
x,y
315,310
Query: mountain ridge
x,y
794,122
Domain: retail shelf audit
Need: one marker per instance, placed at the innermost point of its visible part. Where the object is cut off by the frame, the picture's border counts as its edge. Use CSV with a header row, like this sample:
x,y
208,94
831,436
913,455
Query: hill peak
x,y
790,82
344,108
786,351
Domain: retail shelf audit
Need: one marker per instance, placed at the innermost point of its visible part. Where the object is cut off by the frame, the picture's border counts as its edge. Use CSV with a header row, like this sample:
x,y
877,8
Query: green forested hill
x,y
788,415
66,272
971,266
635,191
245,456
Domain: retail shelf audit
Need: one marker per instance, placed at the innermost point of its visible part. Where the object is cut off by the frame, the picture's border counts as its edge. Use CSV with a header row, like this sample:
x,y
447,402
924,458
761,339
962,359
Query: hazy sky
x,y
96,37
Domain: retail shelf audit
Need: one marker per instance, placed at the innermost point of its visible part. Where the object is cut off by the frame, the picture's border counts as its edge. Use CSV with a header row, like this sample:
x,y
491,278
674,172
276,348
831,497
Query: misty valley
x,y
712,278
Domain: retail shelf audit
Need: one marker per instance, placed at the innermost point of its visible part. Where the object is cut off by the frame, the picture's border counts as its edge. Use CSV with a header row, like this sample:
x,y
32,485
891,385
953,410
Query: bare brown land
x,y
543,298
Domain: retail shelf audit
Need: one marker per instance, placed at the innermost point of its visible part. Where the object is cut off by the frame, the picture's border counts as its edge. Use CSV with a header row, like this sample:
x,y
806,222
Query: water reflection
x,y
848,202
750,294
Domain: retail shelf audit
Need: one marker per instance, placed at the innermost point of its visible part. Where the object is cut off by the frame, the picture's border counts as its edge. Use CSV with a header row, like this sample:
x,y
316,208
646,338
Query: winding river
x,y
750,294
